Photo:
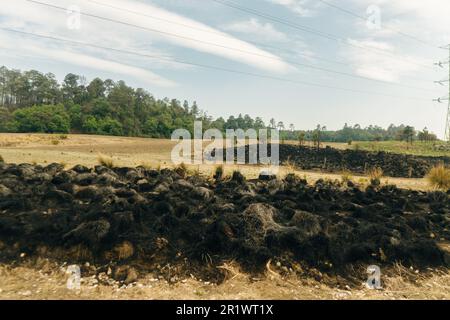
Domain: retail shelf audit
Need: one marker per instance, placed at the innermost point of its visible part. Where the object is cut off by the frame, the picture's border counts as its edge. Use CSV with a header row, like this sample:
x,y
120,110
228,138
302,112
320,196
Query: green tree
x,y
45,118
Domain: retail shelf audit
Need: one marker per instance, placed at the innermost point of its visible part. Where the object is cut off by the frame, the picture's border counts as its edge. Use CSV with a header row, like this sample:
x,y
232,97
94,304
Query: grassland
x,y
418,148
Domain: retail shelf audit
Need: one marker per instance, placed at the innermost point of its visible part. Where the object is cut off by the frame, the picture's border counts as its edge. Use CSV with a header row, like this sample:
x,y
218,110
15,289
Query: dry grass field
x,y
126,151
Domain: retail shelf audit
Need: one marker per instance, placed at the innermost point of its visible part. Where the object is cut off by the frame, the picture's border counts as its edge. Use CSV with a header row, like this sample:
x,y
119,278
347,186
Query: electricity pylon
x,y
442,99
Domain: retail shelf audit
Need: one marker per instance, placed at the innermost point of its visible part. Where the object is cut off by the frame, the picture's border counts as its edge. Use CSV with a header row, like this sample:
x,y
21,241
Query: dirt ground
x,y
127,151
50,282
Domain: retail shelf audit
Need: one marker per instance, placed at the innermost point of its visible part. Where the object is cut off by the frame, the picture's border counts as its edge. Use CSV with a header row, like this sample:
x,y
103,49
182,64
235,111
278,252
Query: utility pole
x,y
447,98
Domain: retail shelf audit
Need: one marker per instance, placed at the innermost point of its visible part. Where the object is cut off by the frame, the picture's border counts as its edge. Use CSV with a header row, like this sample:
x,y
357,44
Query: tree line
x,y
32,101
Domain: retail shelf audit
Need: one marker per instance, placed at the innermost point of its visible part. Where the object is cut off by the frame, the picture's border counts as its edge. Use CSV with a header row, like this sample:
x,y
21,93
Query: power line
x,y
442,99
166,58
235,49
335,6
213,32
312,31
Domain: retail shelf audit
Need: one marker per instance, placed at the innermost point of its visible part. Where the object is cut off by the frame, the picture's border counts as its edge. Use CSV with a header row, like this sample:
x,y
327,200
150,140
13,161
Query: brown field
x,y
28,281
126,151
49,282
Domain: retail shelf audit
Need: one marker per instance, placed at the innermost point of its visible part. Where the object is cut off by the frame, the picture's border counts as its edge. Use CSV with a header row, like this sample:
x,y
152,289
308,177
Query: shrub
x,y
439,177
105,161
375,174
110,127
45,119
218,172
181,169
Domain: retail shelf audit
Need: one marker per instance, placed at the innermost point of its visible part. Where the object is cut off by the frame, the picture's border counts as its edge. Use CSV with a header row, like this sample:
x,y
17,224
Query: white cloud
x,y
65,55
427,20
297,6
191,34
390,66
263,31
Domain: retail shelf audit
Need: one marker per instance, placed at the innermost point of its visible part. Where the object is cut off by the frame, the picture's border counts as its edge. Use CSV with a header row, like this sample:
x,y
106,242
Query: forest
x,y
31,101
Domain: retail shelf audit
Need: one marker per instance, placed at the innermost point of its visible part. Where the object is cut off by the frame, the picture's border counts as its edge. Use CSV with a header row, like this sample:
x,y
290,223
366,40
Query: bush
x,y
439,177
105,161
218,172
44,119
110,127
375,174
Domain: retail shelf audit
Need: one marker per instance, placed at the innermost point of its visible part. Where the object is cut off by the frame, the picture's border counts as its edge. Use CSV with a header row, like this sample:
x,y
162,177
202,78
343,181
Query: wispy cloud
x,y
297,6
73,58
390,66
189,33
422,19
169,28
255,28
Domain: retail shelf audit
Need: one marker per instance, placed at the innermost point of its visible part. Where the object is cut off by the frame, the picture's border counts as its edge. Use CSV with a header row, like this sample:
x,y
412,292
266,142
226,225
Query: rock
x,y
126,274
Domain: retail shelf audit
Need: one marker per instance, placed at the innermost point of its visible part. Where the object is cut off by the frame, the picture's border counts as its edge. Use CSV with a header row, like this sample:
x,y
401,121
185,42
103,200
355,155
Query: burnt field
x,y
357,161
149,219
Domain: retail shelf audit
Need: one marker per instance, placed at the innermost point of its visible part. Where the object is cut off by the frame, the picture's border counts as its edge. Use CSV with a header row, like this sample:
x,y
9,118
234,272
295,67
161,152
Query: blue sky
x,y
381,53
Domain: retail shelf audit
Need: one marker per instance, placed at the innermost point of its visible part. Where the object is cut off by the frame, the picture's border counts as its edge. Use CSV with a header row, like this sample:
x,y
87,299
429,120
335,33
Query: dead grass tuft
x,y
124,250
439,177
219,172
375,174
105,161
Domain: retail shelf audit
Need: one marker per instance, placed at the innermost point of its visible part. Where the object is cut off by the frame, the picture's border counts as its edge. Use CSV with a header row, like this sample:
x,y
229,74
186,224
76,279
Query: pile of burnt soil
x,y
134,214
357,161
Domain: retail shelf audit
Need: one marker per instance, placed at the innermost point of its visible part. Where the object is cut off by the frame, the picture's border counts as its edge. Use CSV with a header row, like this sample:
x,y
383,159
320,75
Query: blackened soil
x,y
134,214
333,160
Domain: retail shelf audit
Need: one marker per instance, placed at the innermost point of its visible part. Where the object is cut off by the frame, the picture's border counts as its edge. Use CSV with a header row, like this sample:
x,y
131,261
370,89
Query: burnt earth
x,y
134,214
333,160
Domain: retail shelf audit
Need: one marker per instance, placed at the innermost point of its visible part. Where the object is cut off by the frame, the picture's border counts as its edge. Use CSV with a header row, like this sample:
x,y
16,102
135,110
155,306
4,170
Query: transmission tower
x,y
442,64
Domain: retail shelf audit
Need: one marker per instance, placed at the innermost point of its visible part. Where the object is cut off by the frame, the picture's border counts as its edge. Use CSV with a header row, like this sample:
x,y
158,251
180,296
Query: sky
x,y
304,62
